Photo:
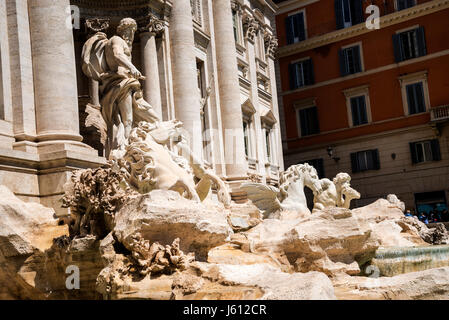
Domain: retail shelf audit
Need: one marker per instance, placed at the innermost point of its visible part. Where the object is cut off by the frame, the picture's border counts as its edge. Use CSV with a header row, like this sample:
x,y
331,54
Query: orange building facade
x,y
370,102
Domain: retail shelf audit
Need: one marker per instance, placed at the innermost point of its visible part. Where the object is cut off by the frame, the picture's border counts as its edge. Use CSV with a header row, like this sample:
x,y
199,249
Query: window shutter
x,y
397,48
358,10
358,61
301,28
339,13
308,72
413,152
435,145
420,103
354,112
289,30
363,115
354,162
411,99
292,76
311,72
343,68
422,51
314,120
376,160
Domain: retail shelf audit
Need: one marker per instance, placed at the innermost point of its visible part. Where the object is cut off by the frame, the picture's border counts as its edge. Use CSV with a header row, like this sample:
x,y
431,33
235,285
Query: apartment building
x,y
370,102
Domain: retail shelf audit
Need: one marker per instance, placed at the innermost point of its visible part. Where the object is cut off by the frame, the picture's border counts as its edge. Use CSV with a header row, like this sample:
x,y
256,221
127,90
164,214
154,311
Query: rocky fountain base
x,y
162,246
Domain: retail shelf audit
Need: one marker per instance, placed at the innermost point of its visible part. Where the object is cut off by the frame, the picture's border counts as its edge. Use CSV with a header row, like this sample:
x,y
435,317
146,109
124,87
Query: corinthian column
x,y
185,85
56,97
236,164
150,67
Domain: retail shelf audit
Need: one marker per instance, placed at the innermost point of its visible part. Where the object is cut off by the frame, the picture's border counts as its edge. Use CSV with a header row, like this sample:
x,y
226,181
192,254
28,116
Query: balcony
x,y
439,114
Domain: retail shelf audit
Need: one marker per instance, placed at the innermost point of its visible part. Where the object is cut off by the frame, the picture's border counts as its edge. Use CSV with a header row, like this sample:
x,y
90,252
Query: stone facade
x,y
221,84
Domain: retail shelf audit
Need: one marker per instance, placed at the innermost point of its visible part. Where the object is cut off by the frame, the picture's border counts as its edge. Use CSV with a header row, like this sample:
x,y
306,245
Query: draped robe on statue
x,y
115,86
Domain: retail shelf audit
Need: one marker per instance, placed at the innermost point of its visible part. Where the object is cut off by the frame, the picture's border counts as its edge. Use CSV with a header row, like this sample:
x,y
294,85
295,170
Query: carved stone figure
x,y
344,191
109,62
137,141
327,197
290,195
148,164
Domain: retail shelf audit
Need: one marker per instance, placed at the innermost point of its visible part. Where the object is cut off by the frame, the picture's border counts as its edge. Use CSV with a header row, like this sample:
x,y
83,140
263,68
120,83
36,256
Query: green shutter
x,y
422,51
339,13
398,56
413,152
435,145
376,159
354,163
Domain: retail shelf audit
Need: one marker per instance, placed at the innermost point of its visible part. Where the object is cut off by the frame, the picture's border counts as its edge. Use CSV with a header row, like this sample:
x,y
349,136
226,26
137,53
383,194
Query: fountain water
x,y
397,260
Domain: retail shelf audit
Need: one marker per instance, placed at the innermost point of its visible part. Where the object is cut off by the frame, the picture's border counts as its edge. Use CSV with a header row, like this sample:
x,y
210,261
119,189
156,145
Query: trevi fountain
x,y
155,223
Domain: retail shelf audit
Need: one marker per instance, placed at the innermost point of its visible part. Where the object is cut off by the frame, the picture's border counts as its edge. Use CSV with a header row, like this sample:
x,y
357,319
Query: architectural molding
x,y
359,29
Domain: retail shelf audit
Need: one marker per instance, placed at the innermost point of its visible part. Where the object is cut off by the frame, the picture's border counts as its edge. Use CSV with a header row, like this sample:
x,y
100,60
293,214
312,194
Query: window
x,y
318,165
423,151
404,4
301,74
348,13
268,144
358,111
415,92
409,44
415,98
308,121
295,28
248,112
246,133
350,61
237,26
365,160
358,105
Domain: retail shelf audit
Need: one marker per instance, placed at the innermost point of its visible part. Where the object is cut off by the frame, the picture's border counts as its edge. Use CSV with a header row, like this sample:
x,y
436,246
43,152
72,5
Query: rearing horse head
x,y
161,132
311,179
298,176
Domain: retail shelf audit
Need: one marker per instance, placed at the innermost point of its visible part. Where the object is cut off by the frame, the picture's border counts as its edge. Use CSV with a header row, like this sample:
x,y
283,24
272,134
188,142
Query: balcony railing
x,y
439,113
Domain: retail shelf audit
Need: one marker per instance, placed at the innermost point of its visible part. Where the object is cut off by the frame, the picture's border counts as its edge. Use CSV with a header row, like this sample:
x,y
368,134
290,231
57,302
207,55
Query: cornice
x,y
385,21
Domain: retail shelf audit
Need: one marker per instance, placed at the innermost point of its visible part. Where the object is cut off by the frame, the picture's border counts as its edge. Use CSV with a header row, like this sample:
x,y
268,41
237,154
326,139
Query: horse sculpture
x,y
148,164
290,195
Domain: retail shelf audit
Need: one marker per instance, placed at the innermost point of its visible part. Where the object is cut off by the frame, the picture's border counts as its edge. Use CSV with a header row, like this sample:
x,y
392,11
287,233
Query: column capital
x,y
271,44
250,27
151,24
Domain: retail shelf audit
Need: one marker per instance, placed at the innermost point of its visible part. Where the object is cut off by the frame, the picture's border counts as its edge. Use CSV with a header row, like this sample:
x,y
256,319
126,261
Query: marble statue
x,y
137,142
290,196
109,62
345,193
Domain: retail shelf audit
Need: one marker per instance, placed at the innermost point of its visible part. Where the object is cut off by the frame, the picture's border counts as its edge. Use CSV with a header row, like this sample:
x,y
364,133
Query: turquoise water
x,y
397,260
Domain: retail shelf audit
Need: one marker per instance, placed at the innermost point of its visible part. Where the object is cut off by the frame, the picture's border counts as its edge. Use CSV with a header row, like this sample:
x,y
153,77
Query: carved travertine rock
x,y
93,195
162,216
393,199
